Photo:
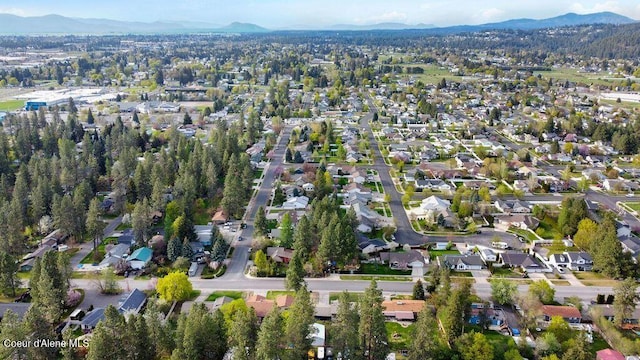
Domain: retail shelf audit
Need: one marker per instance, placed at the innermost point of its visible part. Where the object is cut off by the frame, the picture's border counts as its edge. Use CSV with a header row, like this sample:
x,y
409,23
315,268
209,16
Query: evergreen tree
x,y
234,192
261,227
286,232
299,325
9,280
39,328
474,346
108,337
625,300
135,119
141,221
187,251
12,329
373,334
243,334
90,119
295,272
303,238
270,342
160,334
288,156
137,342
425,344
186,120
174,249
418,291
345,328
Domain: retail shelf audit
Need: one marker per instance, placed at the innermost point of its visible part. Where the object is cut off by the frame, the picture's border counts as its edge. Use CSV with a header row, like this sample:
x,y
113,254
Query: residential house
x,y
609,354
130,304
220,217
569,314
358,177
630,244
513,206
525,262
405,260
140,258
579,260
367,216
308,187
402,310
127,238
279,254
632,322
616,185
18,308
520,221
295,203
263,306
431,207
462,262
114,255
370,246
432,184
488,255
559,260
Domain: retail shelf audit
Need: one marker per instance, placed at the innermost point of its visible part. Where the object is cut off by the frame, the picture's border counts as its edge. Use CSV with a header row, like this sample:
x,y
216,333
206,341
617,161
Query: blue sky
x,y
317,13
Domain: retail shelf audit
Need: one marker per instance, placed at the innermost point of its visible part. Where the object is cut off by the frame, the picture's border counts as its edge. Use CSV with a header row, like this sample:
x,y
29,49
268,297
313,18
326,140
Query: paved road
x,y
586,293
235,270
404,233
85,248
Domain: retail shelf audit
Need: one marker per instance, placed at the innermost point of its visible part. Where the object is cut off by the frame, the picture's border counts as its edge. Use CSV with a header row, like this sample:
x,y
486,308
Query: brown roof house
x,y
263,306
220,217
402,310
570,314
405,260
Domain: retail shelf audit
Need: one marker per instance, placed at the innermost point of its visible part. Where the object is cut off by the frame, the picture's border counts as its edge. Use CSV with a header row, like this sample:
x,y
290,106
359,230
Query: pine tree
x,y
174,249
90,119
425,344
9,280
108,337
303,238
373,334
418,291
243,334
261,227
345,328
186,120
299,325
187,251
141,221
270,341
295,272
39,328
286,231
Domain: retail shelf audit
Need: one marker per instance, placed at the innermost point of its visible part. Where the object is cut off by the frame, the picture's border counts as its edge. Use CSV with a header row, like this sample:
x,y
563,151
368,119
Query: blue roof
x,y
142,254
133,301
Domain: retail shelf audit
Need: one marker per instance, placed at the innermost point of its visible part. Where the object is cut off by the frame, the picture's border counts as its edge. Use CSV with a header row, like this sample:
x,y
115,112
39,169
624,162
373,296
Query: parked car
x,y
239,238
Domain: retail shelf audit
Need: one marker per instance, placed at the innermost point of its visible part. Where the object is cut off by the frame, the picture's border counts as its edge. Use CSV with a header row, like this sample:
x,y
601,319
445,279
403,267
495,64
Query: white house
x,y
463,262
296,202
488,255
431,207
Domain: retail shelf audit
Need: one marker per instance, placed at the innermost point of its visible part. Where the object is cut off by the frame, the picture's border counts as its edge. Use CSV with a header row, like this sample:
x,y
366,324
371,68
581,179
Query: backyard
x,y
399,335
232,294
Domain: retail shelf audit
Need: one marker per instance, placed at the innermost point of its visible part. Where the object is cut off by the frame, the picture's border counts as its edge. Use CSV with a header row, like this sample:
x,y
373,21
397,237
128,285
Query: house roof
x,y
143,254
609,354
219,216
93,318
520,259
404,258
563,311
414,306
279,254
260,304
133,301
578,255
435,203
221,301
468,260
17,308
284,301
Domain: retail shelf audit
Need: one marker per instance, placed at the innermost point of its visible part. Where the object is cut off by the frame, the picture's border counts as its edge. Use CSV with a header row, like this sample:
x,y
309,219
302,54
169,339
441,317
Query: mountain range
x,y
57,24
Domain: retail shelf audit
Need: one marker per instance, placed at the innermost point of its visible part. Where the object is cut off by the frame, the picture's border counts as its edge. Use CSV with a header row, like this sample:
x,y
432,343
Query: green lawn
x,y
258,174
123,226
574,76
9,298
380,269
633,206
232,294
436,253
273,294
505,273
399,336
527,235
11,105
589,278
353,296
101,251
202,214
548,229
374,277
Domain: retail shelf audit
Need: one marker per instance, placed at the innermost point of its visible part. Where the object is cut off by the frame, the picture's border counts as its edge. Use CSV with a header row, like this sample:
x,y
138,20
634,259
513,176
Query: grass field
x,y
11,105
380,269
272,295
633,206
564,74
560,282
353,296
432,74
374,277
589,278
435,253
232,294
399,336
548,229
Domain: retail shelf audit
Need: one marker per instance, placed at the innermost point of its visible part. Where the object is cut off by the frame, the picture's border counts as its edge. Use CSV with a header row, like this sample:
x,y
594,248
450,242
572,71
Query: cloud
x,y
488,15
393,16
13,11
613,6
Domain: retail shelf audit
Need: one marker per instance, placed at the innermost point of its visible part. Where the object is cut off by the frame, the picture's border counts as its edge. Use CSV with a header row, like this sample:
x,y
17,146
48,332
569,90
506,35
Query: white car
x,y
630,195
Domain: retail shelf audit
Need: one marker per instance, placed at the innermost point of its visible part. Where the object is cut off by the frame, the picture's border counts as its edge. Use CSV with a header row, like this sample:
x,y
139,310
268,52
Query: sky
x,y
275,14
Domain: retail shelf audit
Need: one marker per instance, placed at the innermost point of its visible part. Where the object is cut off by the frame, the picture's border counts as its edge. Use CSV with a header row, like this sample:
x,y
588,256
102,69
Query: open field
x,y
564,74
589,278
11,105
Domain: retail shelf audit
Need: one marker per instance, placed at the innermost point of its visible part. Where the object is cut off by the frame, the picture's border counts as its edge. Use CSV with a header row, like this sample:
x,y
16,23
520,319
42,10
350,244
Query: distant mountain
x,y
242,28
381,26
569,19
57,24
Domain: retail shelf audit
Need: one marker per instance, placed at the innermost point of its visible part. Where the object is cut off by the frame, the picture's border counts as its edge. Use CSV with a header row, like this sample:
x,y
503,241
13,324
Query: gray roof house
x,y
462,262
523,261
131,303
